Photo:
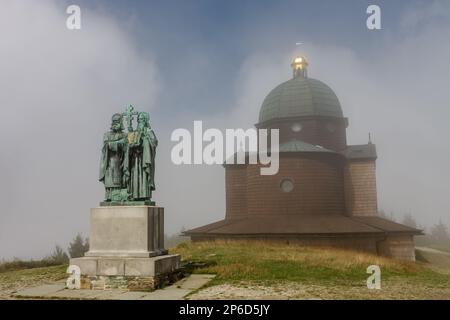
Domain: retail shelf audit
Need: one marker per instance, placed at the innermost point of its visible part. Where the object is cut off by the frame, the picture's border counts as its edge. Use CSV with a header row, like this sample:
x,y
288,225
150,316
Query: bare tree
x,y
409,220
58,256
439,233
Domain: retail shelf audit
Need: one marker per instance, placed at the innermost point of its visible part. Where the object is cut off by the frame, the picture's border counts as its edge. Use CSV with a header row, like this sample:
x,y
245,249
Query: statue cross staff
x,y
297,44
129,113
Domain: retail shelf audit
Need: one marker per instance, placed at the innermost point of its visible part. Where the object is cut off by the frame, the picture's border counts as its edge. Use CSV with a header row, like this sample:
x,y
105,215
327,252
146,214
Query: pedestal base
x,y
127,250
127,231
127,273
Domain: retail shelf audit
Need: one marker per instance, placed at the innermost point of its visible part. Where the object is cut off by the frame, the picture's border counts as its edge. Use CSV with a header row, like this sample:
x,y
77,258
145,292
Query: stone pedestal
x,y
127,231
126,249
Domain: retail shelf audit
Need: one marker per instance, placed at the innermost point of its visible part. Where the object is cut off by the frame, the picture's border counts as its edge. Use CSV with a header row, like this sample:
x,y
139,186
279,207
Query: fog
x,y
59,89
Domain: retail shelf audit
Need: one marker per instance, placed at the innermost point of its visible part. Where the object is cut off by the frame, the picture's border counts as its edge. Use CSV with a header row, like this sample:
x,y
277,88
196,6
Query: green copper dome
x,y
300,96
300,146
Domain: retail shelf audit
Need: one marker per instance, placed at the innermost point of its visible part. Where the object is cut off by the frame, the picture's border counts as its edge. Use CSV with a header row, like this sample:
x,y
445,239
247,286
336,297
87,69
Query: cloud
x,y
417,16
398,93
59,90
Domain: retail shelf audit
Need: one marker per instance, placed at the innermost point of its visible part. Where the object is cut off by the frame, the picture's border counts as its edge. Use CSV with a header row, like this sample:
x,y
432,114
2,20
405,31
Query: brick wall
x,y
360,188
236,190
318,187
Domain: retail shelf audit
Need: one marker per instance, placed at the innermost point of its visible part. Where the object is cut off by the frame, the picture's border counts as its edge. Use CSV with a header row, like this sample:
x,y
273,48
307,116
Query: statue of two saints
x,y
127,166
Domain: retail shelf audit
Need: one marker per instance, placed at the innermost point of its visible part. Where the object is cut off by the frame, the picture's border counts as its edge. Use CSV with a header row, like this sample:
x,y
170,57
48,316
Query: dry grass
x,y
340,259
262,269
12,281
18,264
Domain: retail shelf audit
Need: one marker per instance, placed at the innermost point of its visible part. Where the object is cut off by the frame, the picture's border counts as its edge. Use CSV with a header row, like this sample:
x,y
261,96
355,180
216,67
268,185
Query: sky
x,y
213,61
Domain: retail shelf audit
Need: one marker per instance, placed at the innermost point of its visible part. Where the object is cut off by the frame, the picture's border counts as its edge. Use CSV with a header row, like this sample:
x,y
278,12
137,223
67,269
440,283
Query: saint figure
x,y
113,171
141,159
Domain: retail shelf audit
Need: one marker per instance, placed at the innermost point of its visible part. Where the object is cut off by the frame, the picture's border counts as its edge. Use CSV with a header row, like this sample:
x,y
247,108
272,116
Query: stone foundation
x,y
129,283
127,250
127,273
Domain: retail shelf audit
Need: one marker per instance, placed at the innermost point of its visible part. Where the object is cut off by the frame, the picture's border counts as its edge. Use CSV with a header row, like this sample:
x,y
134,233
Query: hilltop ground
x,y
247,270
258,270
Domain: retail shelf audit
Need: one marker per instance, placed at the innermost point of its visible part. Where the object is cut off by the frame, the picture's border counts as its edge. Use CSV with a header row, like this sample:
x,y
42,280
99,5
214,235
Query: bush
x,y
57,257
17,264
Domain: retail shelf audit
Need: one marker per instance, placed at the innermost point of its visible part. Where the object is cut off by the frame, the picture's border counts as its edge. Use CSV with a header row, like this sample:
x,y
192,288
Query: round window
x,y
286,185
296,127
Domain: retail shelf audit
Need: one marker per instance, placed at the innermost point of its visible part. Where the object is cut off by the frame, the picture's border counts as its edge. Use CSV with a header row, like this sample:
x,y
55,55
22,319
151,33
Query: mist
x,y
60,89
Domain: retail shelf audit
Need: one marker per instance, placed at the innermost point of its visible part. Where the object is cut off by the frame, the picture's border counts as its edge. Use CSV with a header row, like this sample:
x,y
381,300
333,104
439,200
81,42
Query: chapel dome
x,y
300,96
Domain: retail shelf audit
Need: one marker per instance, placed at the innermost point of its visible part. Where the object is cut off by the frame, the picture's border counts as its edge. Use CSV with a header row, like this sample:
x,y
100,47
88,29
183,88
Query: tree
x,y
58,256
382,214
392,216
408,220
78,246
439,233
386,216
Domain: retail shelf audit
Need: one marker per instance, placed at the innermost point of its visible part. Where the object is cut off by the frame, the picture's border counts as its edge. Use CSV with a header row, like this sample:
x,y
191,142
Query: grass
x,y
11,281
263,270
18,264
438,262
441,247
235,261
257,263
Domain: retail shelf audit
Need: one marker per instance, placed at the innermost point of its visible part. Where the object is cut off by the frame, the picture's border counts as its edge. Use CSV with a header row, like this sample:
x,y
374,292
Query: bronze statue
x,y
127,167
112,172
141,156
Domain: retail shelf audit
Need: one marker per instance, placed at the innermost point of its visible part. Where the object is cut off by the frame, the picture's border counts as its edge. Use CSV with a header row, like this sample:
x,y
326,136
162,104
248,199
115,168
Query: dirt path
x,y
431,250
294,291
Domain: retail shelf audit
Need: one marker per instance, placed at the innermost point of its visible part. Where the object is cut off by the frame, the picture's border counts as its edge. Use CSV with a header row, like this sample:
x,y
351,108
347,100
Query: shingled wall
x,y
398,246
360,188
